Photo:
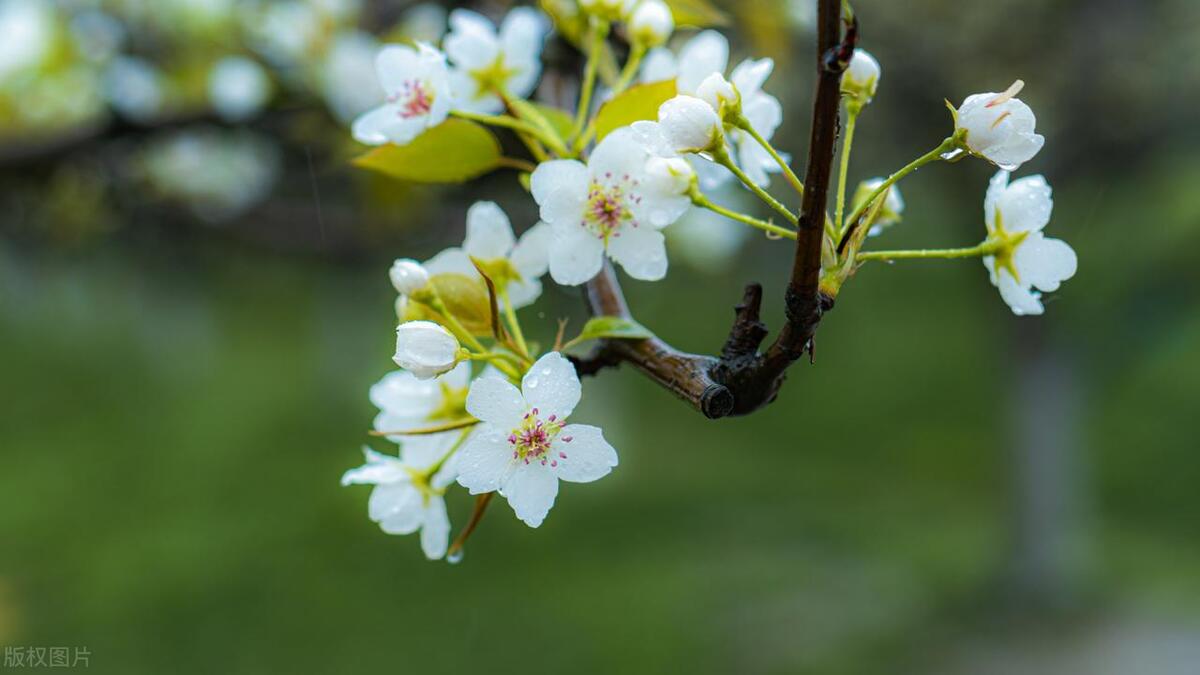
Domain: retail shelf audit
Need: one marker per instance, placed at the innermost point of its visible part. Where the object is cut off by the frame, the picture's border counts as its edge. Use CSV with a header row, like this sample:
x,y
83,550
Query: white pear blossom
x,y
525,446
651,23
409,489
1015,215
690,124
612,206
718,93
238,88
406,402
515,265
417,85
426,349
408,276
999,127
862,76
893,205
702,56
486,61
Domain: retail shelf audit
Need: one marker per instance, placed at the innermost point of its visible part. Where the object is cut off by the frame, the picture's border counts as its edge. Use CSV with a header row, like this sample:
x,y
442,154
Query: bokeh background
x,y
194,301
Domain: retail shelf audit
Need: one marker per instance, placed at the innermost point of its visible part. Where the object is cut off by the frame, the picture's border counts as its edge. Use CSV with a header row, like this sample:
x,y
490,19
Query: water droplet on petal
x,y
532,383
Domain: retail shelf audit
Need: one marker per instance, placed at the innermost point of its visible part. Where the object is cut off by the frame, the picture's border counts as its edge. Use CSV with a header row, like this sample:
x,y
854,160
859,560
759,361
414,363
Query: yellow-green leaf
x,y
453,152
467,299
611,327
697,13
639,102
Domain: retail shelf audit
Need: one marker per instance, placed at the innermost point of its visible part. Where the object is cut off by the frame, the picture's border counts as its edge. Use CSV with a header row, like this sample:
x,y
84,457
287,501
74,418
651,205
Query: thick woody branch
x,y
685,375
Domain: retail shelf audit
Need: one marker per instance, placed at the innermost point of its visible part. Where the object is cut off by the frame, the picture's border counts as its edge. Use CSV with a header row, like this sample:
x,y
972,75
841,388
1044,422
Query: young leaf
x,y
697,13
467,299
639,102
610,327
455,151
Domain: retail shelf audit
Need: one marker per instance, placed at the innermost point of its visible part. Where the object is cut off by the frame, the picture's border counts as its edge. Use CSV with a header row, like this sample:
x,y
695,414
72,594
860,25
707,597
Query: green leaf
x,y
639,102
610,327
455,151
697,13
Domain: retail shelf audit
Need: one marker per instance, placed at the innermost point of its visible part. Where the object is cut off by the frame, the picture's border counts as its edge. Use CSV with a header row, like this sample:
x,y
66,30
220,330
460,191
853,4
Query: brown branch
x,y
743,379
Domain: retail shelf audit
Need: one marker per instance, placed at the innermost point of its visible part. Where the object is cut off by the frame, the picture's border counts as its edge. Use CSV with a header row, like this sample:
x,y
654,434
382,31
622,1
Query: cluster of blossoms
x,y
607,191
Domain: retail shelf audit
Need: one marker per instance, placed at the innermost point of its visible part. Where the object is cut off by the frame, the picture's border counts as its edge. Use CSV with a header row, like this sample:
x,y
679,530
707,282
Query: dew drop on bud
x,y
455,557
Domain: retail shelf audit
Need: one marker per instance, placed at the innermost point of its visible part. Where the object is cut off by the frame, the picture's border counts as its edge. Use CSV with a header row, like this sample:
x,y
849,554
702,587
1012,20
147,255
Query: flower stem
x,y
631,68
599,30
931,156
744,125
515,326
844,171
699,199
984,249
721,156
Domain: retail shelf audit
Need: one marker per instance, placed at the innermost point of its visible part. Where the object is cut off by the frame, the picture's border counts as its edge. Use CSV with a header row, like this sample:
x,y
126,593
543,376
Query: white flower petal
x,y
379,469
641,251
617,157
560,188
391,498
521,35
485,460
451,261
1026,204
584,458
472,42
551,386
1020,298
435,529
372,126
489,232
996,189
576,255
703,55
407,518
659,65
402,394
395,65
531,255
422,451
496,401
530,491
1045,263
749,75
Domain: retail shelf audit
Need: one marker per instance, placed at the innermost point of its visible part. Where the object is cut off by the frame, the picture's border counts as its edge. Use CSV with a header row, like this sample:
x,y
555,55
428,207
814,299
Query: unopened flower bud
x,y
673,174
425,349
861,78
609,10
689,124
651,23
408,276
719,93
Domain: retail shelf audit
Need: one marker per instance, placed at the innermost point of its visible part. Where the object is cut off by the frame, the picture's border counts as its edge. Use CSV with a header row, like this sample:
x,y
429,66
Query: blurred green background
x,y
193,307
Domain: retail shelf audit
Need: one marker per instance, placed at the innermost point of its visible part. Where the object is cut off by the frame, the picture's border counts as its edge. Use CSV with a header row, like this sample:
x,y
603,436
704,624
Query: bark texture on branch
x,y
743,378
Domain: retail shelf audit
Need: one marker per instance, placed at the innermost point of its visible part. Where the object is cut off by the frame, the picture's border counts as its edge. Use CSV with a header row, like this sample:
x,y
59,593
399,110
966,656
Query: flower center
x,y
415,98
608,206
493,78
531,441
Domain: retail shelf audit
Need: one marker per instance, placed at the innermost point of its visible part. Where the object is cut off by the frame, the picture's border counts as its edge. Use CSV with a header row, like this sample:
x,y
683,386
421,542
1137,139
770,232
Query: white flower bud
x,y
651,23
862,76
408,276
716,91
1000,128
674,175
689,124
425,349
